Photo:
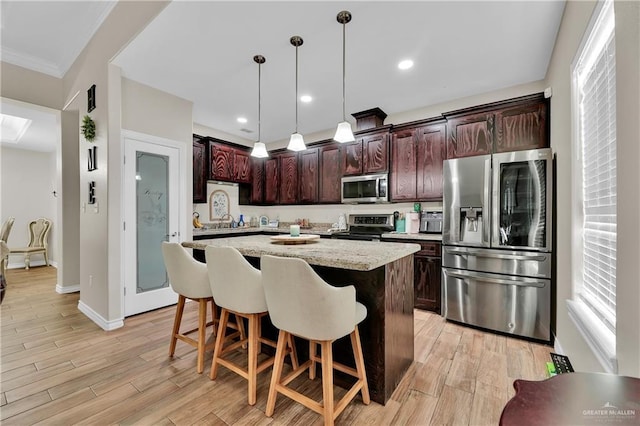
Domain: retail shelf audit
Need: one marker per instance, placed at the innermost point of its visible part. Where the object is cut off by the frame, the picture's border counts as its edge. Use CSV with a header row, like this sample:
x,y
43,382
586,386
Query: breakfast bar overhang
x,y
382,274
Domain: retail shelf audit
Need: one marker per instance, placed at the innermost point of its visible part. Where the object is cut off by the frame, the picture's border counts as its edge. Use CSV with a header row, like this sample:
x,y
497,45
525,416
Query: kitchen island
x,y
382,274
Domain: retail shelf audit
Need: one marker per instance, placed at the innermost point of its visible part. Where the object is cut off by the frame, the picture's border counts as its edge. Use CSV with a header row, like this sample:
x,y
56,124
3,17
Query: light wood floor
x,y
59,368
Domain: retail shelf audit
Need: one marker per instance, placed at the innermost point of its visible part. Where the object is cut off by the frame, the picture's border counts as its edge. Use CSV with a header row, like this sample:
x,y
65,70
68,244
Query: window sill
x,y
600,339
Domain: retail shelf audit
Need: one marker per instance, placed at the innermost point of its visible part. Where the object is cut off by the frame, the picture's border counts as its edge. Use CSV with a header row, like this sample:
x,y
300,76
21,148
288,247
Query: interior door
x,y
151,200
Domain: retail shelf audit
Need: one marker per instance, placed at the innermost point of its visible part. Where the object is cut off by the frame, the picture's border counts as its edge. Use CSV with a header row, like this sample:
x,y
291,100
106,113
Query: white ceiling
x,y
202,51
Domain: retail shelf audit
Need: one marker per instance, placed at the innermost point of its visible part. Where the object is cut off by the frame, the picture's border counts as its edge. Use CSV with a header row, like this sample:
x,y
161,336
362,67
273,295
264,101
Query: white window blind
x,y
595,75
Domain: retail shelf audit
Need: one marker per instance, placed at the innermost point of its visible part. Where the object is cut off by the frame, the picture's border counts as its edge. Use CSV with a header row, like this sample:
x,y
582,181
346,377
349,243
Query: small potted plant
x,y
88,128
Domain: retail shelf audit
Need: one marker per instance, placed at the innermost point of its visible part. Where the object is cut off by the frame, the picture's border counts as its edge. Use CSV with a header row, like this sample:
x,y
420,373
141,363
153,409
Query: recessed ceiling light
x,y
405,64
241,120
306,99
13,128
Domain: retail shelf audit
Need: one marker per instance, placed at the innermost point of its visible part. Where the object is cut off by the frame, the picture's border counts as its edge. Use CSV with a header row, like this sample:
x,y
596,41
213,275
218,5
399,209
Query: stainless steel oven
x,y
497,242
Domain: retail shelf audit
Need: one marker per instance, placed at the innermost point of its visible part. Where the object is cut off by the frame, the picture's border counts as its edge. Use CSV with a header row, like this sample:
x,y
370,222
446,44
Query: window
x,y
593,307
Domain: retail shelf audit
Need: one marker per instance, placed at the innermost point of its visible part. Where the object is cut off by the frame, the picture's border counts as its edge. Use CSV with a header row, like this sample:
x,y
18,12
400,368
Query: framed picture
x,y
91,98
218,205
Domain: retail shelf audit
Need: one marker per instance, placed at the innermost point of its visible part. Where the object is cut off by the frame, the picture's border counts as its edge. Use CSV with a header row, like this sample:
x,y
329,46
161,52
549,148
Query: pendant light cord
x,y
296,89
344,31
259,97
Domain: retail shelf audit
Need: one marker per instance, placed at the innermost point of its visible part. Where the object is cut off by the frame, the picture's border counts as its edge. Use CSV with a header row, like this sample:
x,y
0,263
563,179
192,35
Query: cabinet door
x,y
427,283
221,161
430,149
403,165
352,158
522,127
257,183
241,166
329,164
470,135
308,175
376,153
288,190
271,180
200,171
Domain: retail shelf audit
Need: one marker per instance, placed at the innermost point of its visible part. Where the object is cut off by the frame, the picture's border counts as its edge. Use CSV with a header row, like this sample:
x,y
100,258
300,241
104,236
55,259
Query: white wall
x,y
28,179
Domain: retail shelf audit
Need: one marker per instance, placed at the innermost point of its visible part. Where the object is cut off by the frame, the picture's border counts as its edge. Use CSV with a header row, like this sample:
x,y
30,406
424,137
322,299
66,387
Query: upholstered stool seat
x,y
237,288
301,303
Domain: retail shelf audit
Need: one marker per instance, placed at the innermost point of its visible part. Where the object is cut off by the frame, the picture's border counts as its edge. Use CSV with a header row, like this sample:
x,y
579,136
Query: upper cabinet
x,y
308,174
288,188
417,152
200,170
329,190
228,162
512,125
257,181
271,179
368,154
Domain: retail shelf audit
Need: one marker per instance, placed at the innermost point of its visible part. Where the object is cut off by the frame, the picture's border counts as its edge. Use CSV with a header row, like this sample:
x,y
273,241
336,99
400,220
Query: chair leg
x,y
277,372
27,261
293,355
254,334
176,325
362,374
327,381
243,333
202,328
312,357
46,258
217,350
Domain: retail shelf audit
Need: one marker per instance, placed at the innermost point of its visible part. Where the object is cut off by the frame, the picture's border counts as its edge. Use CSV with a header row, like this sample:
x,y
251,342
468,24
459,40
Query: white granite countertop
x,y
343,254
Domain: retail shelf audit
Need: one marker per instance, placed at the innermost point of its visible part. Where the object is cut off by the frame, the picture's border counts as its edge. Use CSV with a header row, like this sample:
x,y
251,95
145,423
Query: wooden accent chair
x,y
237,288
4,236
188,278
38,241
301,303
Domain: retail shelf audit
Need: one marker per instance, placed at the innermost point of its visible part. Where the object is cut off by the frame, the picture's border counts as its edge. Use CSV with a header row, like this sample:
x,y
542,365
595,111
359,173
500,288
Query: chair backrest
x,y
4,251
38,232
6,229
187,276
235,284
302,303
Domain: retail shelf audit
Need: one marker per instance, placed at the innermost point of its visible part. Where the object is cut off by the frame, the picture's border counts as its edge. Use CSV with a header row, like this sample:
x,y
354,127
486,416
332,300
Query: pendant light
x,y
259,148
344,132
296,143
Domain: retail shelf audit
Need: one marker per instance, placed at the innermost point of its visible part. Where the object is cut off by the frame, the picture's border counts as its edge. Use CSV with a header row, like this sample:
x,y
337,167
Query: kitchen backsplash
x,y
317,213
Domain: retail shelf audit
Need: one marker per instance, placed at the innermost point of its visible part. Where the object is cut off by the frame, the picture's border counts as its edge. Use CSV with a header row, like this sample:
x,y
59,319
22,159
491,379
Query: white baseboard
x,y
98,319
67,289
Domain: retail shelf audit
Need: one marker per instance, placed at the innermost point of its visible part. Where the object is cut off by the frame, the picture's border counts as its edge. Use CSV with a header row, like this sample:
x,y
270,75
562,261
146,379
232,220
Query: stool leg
x,y
202,328
217,350
176,324
327,381
293,355
362,374
214,316
254,331
312,358
277,372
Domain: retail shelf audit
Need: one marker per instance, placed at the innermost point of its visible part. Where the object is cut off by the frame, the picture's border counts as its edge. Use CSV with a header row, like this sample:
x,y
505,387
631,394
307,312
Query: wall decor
x,y
218,205
91,98
92,155
88,128
92,192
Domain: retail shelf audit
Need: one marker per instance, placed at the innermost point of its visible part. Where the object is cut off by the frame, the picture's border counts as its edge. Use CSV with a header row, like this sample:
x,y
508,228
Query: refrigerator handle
x,y
486,204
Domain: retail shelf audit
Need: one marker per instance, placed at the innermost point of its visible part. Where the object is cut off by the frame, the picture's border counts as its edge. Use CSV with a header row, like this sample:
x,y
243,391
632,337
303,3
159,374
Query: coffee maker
x,y
431,222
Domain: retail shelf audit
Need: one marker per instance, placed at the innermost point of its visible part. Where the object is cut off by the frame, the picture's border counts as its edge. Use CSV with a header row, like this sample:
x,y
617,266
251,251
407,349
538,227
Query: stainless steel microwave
x,y
365,189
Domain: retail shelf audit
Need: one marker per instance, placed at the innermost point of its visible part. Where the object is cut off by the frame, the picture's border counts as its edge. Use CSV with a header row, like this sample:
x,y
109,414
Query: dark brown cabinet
x,y
368,154
200,170
228,163
330,173
258,181
417,153
308,173
511,125
271,179
288,187
427,268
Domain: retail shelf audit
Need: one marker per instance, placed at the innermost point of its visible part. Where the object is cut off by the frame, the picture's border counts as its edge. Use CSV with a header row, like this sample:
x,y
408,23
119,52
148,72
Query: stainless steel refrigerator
x,y
496,260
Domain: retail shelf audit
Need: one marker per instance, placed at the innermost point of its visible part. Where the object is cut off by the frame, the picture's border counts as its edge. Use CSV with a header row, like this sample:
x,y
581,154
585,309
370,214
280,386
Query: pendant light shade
x,y
344,132
296,143
259,148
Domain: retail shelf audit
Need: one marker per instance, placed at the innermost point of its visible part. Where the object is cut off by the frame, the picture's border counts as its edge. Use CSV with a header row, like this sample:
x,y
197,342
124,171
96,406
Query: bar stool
x,y
189,279
237,288
303,304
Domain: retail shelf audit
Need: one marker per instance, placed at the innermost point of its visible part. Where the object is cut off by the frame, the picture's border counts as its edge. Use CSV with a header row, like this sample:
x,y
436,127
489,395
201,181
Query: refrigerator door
x,y
532,264
466,204
502,303
521,200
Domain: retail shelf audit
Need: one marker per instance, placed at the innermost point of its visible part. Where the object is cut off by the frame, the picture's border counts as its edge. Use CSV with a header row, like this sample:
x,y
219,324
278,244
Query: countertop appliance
x,y
496,257
431,222
365,189
368,227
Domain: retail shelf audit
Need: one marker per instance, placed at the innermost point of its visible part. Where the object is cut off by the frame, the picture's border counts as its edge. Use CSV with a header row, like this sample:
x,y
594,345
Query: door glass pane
x,y
523,209
152,208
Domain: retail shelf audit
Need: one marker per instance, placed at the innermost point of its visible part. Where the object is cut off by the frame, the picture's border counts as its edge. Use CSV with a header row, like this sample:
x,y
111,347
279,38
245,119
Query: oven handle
x,y
481,278
480,253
